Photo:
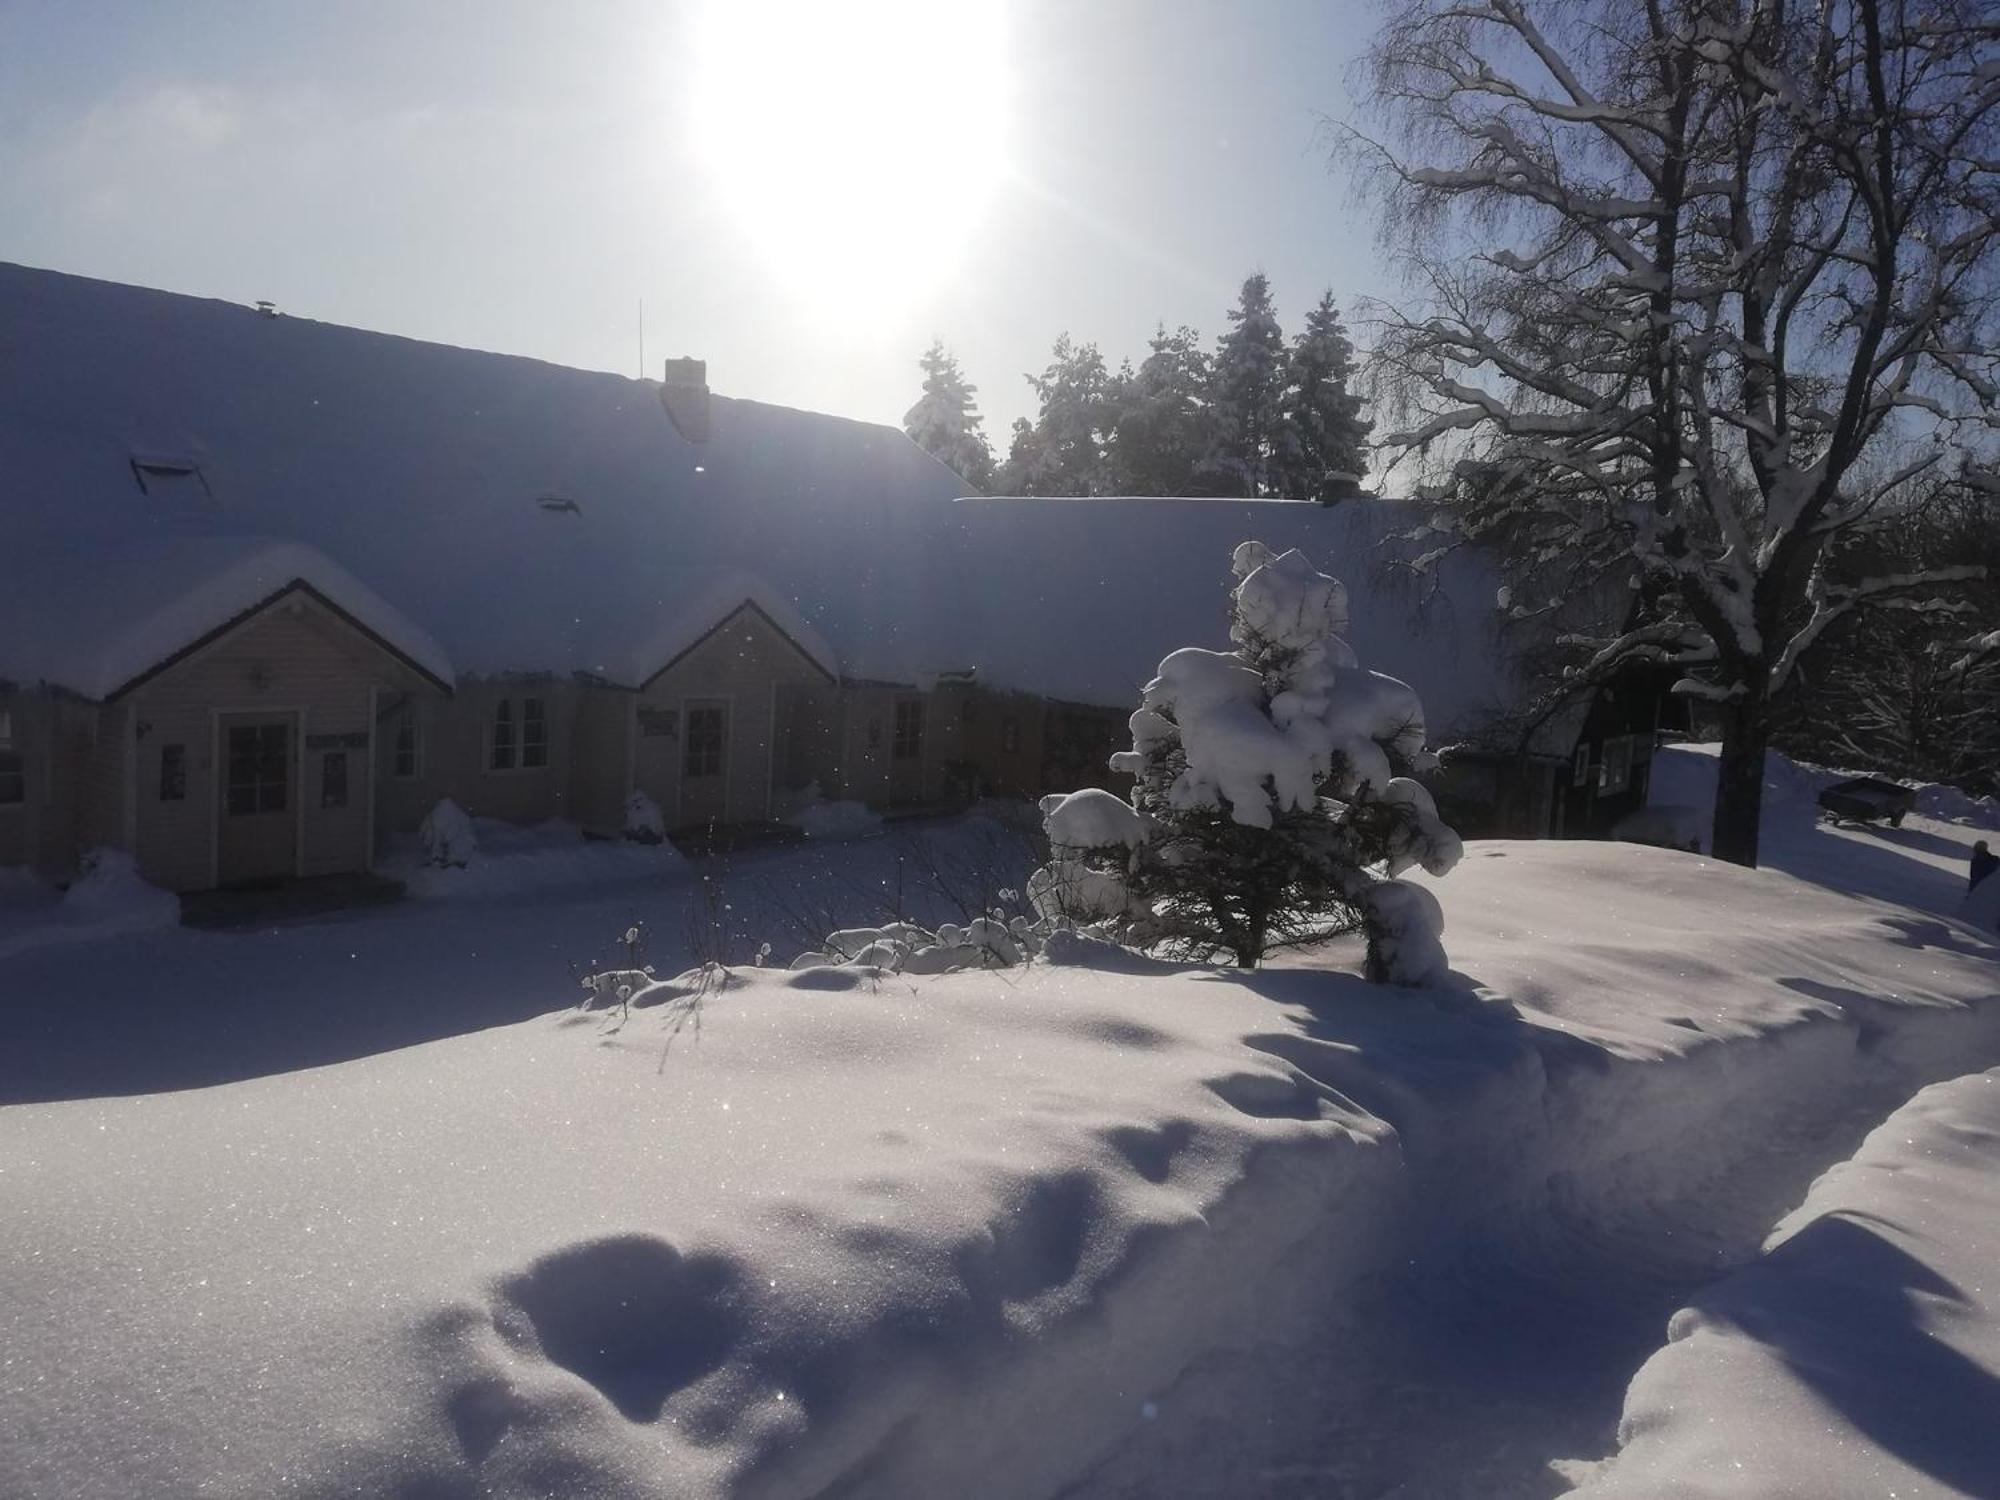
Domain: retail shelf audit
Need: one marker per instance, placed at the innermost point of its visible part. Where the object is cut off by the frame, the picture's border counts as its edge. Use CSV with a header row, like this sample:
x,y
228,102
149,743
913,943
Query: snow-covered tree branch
x,y
1706,289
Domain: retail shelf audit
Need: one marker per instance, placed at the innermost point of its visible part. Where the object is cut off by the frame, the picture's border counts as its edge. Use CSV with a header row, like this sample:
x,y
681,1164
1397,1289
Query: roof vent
x,y
169,474
560,504
267,307
684,393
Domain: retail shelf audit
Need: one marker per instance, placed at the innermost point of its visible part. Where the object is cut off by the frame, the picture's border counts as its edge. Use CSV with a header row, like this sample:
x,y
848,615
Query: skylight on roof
x,y
560,504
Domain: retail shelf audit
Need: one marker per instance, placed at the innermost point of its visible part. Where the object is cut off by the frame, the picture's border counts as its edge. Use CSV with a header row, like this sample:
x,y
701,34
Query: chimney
x,y
684,393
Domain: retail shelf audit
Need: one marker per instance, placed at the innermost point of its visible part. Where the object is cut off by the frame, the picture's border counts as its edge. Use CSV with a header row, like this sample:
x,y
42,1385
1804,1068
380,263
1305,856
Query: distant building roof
x,y
526,517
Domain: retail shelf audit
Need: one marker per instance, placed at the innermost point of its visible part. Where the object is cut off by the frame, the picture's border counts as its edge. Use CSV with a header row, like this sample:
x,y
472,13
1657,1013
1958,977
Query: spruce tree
x,y
946,423
1159,434
1271,783
1321,450
1062,452
1246,397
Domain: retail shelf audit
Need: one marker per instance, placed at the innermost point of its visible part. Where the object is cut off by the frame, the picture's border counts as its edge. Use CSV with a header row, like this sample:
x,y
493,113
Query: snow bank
x,y
1683,777
107,898
1010,1233
1949,804
483,859
1860,1354
835,820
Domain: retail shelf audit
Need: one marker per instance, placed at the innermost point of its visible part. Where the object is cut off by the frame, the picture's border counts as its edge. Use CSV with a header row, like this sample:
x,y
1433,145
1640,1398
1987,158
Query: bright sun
x,y
858,140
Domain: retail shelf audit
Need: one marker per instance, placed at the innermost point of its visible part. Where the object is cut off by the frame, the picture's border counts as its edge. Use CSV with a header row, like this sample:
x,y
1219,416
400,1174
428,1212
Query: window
x,y
333,779
534,734
405,760
1579,772
173,773
520,737
701,754
13,778
908,743
500,756
259,769
1010,734
1616,772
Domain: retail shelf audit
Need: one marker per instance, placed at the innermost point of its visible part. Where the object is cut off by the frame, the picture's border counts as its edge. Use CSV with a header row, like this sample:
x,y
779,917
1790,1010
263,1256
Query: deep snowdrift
x,y
1861,1354
1053,1230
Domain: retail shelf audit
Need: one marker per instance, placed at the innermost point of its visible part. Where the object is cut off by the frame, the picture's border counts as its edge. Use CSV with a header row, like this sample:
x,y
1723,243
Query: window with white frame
x,y
908,740
13,769
534,734
407,754
518,738
500,746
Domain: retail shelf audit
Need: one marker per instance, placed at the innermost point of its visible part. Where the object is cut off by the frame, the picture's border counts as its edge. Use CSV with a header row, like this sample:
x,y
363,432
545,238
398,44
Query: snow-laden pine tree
x,y
1062,451
945,422
1705,287
1322,448
1273,797
1159,431
1246,393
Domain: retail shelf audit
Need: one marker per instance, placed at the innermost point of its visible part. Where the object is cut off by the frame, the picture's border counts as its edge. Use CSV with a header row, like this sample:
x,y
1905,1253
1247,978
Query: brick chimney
x,y
684,393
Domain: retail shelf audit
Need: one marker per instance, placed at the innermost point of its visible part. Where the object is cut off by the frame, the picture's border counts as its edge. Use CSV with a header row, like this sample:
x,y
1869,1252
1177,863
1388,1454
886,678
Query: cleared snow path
x,y
1860,1354
1699,1043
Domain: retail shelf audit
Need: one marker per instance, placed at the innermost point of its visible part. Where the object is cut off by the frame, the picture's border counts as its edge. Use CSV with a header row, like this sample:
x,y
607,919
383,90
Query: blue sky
x,y
518,177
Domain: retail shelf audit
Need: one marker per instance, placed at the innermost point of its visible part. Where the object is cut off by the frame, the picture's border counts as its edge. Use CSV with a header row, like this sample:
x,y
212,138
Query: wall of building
x,y
297,660
746,663
601,742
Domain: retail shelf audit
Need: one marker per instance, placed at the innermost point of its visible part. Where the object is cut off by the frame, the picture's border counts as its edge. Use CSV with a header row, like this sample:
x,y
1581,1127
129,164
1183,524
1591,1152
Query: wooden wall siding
x,y
102,758
400,803
748,662
601,755
1004,743
295,657
28,716
459,762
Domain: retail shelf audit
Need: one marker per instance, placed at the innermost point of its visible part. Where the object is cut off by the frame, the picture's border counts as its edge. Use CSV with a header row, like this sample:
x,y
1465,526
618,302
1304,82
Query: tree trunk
x,y
1739,782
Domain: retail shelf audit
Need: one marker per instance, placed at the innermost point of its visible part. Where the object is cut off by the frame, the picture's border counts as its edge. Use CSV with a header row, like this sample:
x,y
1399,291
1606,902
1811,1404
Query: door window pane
x,y
333,779
173,773
258,761
702,750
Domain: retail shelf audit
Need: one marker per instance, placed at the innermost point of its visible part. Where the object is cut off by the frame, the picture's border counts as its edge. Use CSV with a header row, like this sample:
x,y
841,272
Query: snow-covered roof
x,y
535,518
94,619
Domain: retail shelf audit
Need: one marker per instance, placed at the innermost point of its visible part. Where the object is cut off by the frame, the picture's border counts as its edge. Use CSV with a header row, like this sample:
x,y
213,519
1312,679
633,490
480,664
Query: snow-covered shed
x,y
559,586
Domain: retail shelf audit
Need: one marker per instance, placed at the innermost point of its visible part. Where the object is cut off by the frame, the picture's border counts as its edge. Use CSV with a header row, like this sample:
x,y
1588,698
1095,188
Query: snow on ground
x,y
1032,1232
513,861
1860,1354
106,899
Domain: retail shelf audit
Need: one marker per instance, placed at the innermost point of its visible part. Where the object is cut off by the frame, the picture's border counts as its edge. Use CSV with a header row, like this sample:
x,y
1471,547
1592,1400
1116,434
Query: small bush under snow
x,y
643,820
447,836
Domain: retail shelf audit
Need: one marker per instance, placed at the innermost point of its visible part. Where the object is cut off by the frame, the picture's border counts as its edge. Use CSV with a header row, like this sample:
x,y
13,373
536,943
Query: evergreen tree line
x,y
1255,416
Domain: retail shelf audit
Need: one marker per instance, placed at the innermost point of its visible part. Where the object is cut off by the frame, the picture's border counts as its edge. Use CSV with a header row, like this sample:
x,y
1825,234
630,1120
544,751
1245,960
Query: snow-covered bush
x,y
447,836
110,894
643,819
1271,784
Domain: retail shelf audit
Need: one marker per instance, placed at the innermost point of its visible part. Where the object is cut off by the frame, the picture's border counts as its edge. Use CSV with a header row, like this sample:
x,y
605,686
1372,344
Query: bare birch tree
x,y
1707,285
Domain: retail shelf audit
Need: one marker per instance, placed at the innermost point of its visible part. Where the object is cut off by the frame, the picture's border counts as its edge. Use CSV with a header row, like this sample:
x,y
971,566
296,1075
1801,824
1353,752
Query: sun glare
x,y
858,142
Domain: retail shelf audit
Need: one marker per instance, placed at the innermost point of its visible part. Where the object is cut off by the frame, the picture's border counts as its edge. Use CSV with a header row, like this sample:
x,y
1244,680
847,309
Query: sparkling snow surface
x,y
1032,1232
